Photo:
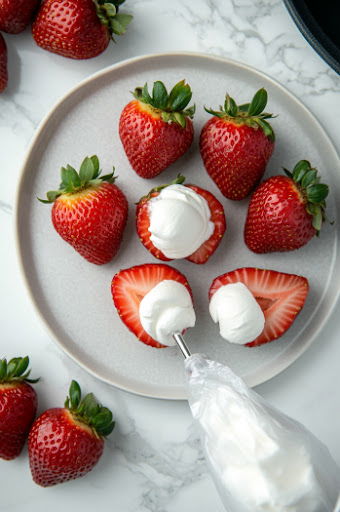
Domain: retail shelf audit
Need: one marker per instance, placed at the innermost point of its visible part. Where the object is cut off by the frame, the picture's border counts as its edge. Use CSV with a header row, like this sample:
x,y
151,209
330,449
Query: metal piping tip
x,y
177,336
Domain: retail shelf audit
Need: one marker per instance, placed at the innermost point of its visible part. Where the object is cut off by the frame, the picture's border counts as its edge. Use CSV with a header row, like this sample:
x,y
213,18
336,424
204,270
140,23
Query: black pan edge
x,y
313,33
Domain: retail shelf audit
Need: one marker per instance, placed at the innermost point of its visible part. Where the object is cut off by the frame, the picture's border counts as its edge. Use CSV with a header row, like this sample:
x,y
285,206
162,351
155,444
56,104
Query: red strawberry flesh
x,y
281,297
129,287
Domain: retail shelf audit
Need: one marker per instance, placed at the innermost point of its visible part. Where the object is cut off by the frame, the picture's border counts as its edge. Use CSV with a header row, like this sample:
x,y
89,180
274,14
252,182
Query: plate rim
x,y
176,395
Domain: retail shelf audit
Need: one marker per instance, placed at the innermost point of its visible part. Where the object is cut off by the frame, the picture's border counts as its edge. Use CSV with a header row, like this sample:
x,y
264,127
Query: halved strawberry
x,y
130,285
281,297
203,253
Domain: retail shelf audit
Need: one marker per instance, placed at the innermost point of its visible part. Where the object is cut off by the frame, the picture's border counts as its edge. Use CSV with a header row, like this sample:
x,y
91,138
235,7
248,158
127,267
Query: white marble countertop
x,y
153,461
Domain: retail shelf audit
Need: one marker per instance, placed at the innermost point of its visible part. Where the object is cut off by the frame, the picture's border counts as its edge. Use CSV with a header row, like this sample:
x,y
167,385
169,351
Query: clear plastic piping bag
x,y
261,460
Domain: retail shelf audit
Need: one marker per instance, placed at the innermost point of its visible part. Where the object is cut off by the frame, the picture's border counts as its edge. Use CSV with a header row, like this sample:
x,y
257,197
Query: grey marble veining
x,y
153,461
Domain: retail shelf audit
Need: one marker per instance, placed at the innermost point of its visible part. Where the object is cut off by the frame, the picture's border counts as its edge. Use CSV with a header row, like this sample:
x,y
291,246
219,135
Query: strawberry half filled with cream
x,y
154,301
255,306
180,221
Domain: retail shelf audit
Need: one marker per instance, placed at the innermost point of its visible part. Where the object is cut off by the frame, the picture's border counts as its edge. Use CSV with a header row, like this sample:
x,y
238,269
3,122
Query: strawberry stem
x,y
250,114
172,106
107,12
89,411
73,182
314,192
15,369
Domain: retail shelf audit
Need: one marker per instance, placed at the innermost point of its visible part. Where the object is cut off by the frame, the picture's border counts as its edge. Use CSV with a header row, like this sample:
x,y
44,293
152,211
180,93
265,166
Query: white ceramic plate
x,y
73,297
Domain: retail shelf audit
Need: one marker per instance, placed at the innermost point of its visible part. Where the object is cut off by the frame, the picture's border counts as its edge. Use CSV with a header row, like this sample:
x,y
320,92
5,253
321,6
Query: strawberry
x,y
130,285
203,253
15,15
89,211
66,443
285,212
3,64
79,29
236,145
281,297
156,130
18,405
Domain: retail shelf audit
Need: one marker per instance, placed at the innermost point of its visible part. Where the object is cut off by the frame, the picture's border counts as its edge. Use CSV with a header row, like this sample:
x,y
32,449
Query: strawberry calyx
x,y
306,178
73,182
15,370
250,114
171,106
179,180
87,410
107,12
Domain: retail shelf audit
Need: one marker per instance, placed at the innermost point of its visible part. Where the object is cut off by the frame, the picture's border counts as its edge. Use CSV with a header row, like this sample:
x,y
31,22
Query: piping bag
x,y
260,459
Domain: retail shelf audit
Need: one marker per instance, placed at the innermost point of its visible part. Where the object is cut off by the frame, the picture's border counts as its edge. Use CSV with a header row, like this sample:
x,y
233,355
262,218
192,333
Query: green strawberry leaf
x,y
266,127
95,162
75,394
300,170
145,94
317,219
317,193
110,9
179,97
3,369
179,118
103,418
258,103
22,366
52,195
166,116
86,170
11,366
309,178
72,177
105,431
90,406
230,106
159,95
119,23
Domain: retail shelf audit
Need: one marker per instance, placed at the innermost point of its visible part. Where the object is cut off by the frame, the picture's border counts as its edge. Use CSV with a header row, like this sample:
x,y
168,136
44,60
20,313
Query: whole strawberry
x,y
18,405
3,64
285,212
66,443
89,211
156,129
236,145
79,29
15,15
